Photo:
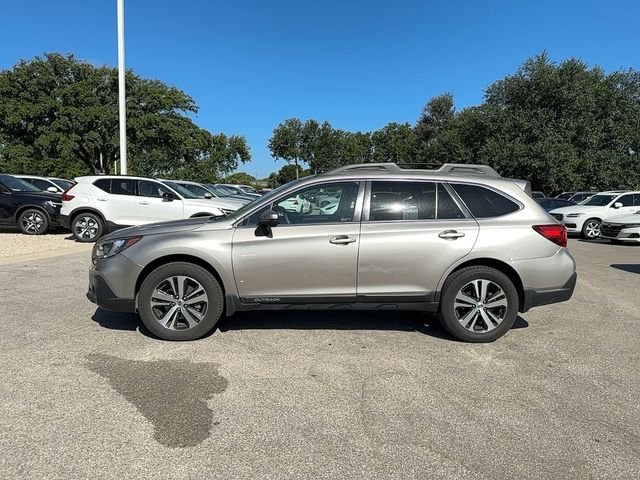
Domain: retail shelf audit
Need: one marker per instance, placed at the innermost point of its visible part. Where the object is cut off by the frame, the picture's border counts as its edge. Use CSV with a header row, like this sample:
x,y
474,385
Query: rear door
x,y
411,232
115,198
153,206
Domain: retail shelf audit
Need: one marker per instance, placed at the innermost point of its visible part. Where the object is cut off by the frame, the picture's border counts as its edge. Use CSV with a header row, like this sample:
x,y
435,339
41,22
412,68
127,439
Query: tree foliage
x,y
562,126
59,116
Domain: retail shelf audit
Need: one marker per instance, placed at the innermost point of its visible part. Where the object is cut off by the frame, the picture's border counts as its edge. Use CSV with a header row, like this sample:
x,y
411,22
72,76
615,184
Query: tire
x,y
87,227
469,323
591,229
168,317
33,221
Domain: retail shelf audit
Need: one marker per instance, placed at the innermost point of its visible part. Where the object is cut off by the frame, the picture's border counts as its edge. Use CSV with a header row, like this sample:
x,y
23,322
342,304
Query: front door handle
x,y
450,234
342,240
101,199
143,203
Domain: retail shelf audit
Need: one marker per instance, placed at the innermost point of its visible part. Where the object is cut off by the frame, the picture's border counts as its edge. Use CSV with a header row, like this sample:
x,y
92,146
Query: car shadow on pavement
x,y
627,267
404,321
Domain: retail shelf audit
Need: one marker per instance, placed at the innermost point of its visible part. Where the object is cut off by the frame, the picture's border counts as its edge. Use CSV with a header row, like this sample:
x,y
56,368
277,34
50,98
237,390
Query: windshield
x,y
242,210
181,190
223,192
600,200
64,184
17,185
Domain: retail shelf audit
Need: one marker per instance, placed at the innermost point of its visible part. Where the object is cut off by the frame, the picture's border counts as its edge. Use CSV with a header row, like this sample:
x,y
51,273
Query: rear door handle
x,y
342,240
101,199
143,203
450,234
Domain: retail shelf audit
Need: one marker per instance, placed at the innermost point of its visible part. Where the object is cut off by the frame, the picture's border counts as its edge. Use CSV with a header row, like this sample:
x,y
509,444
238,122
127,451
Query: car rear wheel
x,y
591,229
180,301
87,227
33,222
478,304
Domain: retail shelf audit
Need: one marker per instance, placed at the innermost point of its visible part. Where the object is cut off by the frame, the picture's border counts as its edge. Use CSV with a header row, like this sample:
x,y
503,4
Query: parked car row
x,y
94,205
613,215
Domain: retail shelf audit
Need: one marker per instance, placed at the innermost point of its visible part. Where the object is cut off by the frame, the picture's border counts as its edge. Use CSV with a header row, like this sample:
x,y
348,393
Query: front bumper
x,y
612,231
535,298
112,283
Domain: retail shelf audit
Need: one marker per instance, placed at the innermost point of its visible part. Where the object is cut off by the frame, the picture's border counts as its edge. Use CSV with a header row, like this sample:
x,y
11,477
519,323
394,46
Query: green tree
x,y
241,178
396,142
286,142
59,116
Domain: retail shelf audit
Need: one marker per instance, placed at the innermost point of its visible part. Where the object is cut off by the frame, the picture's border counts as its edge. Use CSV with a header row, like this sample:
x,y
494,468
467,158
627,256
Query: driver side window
x,y
323,203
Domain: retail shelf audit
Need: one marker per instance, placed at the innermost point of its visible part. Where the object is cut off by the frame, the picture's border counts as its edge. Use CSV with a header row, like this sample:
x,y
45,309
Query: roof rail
x,y
467,169
385,167
447,168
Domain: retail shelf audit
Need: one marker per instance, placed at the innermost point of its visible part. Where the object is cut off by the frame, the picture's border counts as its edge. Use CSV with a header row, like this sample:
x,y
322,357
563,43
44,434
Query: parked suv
x,y
26,206
460,241
587,217
99,204
47,184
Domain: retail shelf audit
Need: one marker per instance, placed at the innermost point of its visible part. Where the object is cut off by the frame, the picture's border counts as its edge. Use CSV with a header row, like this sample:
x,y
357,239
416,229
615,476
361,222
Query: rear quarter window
x,y
483,202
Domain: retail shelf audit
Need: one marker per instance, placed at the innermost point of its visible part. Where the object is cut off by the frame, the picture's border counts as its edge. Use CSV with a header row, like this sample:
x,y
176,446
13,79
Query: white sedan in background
x,y
623,228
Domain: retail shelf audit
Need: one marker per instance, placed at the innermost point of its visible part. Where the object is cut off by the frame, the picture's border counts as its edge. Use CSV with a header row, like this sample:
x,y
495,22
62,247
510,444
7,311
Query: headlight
x,y
110,248
574,215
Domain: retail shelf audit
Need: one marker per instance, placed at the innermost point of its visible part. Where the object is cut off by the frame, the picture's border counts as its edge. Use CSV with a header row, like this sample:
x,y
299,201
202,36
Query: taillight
x,y
557,233
65,195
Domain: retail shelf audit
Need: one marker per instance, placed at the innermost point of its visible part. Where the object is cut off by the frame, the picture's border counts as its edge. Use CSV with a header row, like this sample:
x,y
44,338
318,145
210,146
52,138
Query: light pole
x,y
121,92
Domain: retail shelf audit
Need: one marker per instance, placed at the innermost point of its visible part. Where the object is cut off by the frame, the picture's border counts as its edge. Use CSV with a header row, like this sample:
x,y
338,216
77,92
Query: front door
x,y
412,231
152,204
310,256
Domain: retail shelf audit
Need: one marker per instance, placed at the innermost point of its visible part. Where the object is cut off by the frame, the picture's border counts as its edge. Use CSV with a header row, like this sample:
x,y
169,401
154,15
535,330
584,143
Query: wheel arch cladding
x,y
158,262
501,266
20,210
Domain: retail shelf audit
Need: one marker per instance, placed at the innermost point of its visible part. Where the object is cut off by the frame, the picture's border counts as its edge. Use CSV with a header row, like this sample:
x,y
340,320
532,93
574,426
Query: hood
x,y
622,219
157,228
575,209
226,203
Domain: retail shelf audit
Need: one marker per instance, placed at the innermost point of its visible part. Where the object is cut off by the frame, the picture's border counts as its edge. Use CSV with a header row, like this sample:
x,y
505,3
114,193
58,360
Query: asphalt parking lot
x,y
86,393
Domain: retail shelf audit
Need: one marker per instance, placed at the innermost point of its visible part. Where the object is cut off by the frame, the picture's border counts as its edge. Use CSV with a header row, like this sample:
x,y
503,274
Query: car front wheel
x,y
591,229
478,304
180,301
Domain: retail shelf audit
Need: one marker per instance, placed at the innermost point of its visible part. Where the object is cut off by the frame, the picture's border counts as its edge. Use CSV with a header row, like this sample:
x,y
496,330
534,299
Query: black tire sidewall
x,y
204,277
45,225
455,282
99,222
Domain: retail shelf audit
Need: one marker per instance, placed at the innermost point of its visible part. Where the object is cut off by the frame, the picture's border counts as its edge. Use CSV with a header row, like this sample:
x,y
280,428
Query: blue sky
x,y
357,64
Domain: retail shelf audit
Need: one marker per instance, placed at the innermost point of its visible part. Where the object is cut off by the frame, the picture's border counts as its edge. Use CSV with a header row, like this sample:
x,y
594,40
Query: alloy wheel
x,y
480,306
179,302
86,228
592,229
33,223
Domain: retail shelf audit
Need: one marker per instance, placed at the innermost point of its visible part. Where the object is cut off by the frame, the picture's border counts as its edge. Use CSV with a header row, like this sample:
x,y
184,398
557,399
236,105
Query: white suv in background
x,y
99,204
47,184
587,217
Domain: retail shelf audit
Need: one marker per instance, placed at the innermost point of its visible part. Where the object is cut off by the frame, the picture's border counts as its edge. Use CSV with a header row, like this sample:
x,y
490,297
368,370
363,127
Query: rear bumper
x,y
64,221
535,298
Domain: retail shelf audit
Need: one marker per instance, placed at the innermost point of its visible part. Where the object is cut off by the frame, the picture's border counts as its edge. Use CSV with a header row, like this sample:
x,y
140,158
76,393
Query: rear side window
x,y
483,202
116,186
391,201
636,200
103,184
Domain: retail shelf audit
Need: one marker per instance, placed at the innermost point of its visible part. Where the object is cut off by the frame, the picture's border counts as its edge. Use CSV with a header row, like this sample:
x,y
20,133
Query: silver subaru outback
x,y
459,241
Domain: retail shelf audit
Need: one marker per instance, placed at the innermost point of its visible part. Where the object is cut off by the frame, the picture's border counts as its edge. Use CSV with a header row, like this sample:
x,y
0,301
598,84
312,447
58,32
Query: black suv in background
x,y
22,204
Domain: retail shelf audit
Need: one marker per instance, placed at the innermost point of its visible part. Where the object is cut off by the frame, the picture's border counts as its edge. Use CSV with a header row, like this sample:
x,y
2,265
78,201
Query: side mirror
x,y
269,219
168,197
617,205
208,196
52,190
